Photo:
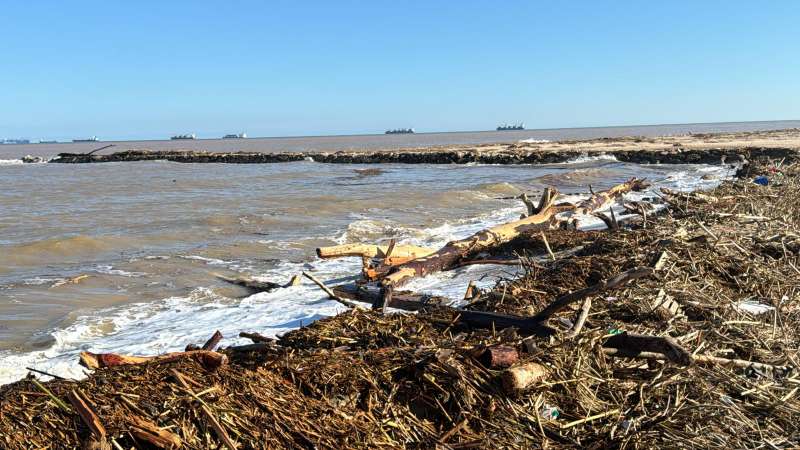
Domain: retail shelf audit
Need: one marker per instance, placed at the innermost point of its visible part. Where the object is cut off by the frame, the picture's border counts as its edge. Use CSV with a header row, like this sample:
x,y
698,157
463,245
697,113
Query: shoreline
x,y
690,149
363,379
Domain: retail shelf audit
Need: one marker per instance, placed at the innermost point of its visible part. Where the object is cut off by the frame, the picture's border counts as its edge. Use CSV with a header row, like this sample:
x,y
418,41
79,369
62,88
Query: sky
x,y
147,69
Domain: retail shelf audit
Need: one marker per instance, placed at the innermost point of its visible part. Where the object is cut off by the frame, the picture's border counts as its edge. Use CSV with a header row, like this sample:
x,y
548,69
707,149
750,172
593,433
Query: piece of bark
x,y
499,357
88,416
151,433
208,359
523,376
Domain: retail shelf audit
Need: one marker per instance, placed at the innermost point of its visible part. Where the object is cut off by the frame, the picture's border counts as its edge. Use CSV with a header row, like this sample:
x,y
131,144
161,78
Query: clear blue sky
x,y
142,69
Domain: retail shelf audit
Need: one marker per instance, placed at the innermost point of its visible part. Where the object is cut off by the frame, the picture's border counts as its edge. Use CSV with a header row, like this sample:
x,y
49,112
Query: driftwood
x,y
498,356
629,344
373,251
328,291
543,218
153,434
88,416
523,376
255,337
405,300
254,286
208,359
210,344
612,283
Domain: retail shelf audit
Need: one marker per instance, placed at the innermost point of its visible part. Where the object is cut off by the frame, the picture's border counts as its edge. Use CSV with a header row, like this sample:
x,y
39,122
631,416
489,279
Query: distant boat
x,y
507,127
235,136
48,142
401,131
15,141
91,139
183,136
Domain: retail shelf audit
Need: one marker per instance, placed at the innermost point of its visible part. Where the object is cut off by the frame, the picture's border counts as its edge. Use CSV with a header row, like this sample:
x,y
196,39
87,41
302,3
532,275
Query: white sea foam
x,y
10,162
587,158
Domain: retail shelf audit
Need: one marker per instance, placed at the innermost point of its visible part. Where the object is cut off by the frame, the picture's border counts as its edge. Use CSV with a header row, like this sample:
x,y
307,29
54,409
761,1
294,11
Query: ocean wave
x,y
585,158
10,162
533,141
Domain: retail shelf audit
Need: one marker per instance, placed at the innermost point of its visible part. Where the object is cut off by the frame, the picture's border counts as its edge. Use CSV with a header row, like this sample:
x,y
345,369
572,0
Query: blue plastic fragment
x,y
762,180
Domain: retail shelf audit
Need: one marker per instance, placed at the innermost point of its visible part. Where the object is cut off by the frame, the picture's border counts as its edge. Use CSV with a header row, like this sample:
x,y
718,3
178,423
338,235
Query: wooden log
x,y
88,416
499,357
455,251
208,359
521,377
373,251
149,432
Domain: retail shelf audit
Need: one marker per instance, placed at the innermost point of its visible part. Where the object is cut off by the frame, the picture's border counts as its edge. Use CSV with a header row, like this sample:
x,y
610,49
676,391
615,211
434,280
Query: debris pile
x,y
681,329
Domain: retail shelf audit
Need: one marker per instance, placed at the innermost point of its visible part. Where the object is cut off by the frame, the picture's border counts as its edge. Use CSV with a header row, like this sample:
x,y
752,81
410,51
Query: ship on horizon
x,y
401,131
89,139
235,136
511,127
15,141
179,137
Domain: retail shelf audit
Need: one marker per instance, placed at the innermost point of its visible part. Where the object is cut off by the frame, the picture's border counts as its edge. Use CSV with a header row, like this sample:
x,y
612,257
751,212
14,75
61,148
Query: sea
x,y
153,238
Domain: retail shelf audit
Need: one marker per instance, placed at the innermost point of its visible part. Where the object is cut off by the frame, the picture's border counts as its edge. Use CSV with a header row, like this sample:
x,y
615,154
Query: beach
x,y
712,295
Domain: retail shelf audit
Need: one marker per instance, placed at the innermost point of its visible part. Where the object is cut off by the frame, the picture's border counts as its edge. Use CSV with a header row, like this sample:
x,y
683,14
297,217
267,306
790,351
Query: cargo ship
x,y
181,137
235,136
401,131
90,139
514,127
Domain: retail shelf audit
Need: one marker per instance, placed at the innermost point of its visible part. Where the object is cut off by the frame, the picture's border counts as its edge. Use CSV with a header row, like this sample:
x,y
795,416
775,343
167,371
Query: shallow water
x,y
153,235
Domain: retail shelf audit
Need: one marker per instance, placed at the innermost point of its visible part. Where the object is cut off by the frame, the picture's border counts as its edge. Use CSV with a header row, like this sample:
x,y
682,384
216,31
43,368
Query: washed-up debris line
x,y
676,329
